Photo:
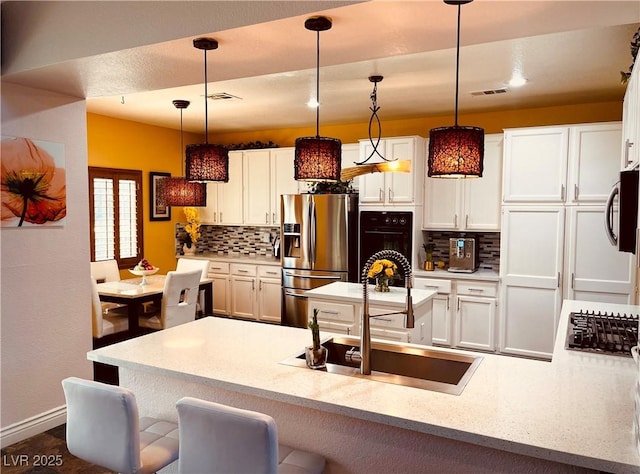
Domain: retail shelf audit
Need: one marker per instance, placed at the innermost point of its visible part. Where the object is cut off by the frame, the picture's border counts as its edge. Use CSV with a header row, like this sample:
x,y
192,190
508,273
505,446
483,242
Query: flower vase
x,y
189,250
316,358
382,285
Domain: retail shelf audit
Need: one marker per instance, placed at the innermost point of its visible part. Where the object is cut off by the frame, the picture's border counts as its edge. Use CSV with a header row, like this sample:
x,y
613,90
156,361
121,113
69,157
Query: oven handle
x,y
608,216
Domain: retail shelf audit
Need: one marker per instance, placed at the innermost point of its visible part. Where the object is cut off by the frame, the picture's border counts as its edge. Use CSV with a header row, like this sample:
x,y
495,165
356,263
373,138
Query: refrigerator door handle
x,y
312,221
608,216
313,277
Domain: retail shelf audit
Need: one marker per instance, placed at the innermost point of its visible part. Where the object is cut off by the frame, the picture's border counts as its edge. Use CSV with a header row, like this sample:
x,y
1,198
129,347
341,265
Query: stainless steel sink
x,y
428,369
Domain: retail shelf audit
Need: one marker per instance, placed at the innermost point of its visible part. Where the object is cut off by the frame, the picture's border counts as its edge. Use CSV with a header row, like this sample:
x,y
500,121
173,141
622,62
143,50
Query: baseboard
x,y
32,426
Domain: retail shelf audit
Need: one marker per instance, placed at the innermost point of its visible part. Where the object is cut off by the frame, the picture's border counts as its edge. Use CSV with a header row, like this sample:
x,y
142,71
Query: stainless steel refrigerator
x,y
319,245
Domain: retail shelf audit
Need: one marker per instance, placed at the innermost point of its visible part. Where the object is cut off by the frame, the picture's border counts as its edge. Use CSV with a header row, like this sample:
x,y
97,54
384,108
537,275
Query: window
x,y
115,210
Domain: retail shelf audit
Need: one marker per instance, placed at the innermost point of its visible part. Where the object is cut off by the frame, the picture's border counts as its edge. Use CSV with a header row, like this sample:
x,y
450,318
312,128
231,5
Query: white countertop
x,y
236,258
577,409
352,293
480,274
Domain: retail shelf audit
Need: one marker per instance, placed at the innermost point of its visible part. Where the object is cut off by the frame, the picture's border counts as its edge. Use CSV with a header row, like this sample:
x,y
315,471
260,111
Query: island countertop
x,y
577,409
352,293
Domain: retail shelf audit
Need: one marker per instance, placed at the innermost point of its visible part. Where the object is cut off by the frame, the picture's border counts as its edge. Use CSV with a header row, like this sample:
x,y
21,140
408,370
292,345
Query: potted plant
x,y
191,230
316,355
384,271
428,262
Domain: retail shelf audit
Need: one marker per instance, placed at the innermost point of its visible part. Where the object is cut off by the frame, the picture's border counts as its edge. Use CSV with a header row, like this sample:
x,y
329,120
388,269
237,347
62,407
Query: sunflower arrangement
x,y
193,225
384,271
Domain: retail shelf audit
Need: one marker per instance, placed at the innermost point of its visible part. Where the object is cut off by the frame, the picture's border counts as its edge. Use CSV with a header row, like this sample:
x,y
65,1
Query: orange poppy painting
x,y
32,183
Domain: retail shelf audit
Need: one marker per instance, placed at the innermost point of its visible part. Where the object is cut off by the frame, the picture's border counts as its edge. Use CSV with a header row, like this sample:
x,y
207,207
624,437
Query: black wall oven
x,y
386,230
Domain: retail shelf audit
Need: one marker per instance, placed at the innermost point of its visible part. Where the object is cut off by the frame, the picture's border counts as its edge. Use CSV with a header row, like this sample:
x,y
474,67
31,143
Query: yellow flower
x,y
385,268
193,223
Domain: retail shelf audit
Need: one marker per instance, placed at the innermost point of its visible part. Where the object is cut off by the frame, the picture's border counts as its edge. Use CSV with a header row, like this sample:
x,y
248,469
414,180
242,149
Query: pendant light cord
x,y
206,113
182,168
318,84
457,64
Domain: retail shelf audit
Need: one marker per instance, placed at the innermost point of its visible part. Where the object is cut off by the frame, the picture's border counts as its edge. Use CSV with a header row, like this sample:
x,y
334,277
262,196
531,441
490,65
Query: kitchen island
x,y
515,415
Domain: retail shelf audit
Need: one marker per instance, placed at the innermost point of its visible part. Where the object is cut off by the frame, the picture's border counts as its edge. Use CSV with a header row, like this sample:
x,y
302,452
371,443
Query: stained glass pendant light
x,y
177,191
317,158
458,151
207,162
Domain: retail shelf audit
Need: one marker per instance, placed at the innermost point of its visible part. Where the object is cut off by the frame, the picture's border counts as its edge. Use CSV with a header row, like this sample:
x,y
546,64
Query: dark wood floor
x,y
45,453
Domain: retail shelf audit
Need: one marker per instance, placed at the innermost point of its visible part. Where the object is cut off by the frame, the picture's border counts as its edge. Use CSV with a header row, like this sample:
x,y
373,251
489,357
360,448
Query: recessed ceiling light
x,y
517,81
313,103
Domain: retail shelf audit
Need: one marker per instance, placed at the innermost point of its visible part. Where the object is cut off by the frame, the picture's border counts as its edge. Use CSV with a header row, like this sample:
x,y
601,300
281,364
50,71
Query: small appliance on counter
x,y
463,254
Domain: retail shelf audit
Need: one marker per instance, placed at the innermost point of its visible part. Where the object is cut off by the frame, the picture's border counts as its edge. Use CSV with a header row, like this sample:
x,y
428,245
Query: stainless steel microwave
x,y
622,231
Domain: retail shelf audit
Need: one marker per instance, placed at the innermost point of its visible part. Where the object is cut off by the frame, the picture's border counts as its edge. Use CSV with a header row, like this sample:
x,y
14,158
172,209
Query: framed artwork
x,y
157,212
34,187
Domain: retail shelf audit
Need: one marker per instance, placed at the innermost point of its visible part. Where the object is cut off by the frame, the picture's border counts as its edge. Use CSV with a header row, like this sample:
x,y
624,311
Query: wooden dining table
x,y
134,294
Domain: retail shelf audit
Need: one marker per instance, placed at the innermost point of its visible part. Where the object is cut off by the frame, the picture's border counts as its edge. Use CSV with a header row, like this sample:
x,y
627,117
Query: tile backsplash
x,y
231,240
488,243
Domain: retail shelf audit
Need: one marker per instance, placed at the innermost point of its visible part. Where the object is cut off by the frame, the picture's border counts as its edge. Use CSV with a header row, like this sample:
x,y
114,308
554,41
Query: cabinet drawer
x,y
396,321
388,335
436,284
269,271
244,270
332,311
218,267
477,288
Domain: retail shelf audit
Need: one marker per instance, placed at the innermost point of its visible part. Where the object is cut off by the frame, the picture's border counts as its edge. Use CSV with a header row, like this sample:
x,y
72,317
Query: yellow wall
x,y
123,144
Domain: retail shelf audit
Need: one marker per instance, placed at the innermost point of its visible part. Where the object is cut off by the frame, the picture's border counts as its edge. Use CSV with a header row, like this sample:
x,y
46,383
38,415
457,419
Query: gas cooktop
x,y
604,333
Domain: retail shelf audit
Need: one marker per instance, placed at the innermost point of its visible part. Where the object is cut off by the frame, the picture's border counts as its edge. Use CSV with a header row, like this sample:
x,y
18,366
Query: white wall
x,y
45,319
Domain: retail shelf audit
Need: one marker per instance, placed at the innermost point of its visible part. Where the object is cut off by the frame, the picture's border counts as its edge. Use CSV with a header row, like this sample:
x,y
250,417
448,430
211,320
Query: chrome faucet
x,y
365,329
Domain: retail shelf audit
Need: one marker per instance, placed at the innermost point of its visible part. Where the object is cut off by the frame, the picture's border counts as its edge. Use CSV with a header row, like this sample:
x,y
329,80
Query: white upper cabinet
x,y
467,204
224,200
282,181
561,165
535,165
631,121
257,187
393,188
594,162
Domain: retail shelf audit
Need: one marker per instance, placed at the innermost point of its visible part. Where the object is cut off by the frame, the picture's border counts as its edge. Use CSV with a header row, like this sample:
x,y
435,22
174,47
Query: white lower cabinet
x,y
334,317
471,323
246,291
219,273
476,315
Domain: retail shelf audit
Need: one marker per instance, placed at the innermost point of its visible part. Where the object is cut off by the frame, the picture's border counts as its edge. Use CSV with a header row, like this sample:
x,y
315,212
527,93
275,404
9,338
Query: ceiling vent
x,y
490,92
222,96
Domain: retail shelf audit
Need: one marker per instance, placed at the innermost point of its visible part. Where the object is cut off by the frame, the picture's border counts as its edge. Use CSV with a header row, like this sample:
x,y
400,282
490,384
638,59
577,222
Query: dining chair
x,y
216,438
186,264
103,428
178,305
105,270
106,318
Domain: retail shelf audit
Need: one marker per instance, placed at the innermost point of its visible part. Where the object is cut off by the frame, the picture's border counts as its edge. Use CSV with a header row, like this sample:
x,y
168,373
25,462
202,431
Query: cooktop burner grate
x,y
605,333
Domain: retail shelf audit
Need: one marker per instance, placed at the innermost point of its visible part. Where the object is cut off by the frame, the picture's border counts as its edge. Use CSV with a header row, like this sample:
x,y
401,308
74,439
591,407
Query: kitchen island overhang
x,y
514,413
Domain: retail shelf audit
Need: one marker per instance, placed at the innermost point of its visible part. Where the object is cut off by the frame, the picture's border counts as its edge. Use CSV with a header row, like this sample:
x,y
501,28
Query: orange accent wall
x,y
114,143
117,143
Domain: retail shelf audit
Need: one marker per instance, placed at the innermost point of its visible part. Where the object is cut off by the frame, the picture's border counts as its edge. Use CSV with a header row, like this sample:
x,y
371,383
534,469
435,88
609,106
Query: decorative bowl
x,y
144,273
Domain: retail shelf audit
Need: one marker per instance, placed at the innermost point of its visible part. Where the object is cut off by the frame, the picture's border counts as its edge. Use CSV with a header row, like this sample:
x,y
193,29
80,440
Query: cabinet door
x,y
631,121
209,214
257,187
482,196
441,210
269,300
595,270
221,294
282,179
372,186
441,323
400,186
594,162
230,194
535,165
475,323
243,296
531,255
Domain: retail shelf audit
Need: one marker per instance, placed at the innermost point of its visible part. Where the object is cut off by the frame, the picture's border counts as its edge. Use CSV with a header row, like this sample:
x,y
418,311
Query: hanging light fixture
x,y
177,191
456,152
207,162
386,165
317,158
